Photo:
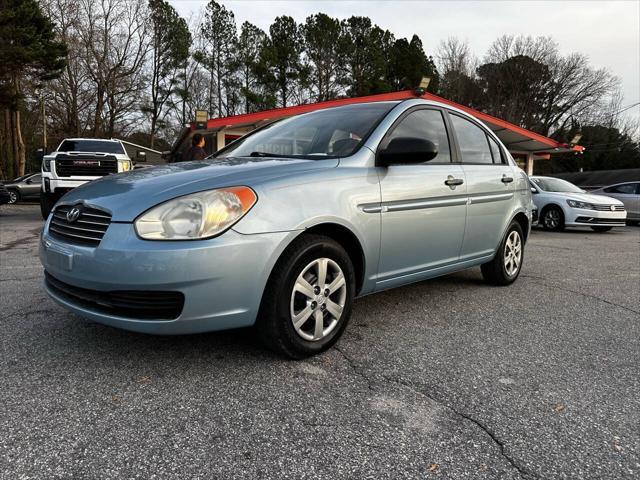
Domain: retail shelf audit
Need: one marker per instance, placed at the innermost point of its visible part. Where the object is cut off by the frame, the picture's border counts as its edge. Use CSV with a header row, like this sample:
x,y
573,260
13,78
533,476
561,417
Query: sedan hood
x,y
127,195
590,198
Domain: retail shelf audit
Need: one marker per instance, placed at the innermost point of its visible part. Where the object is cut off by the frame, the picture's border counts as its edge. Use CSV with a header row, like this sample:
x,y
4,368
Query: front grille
x,y
607,208
597,221
138,304
85,165
87,229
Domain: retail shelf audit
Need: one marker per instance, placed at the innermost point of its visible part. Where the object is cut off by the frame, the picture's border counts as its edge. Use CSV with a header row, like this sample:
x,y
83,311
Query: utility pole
x,y
44,123
40,92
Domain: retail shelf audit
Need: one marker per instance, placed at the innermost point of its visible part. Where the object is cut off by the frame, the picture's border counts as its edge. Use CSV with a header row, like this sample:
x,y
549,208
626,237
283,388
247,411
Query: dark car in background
x,y
26,187
4,195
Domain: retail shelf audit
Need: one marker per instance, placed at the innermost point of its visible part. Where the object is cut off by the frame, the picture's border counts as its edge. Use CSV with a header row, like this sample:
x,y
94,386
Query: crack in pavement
x,y
588,295
522,471
14,243
355,368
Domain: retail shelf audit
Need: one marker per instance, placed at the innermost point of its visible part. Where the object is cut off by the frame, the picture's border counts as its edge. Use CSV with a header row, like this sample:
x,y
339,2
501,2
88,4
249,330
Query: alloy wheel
x,y
552,218
512,253
318,299
13,196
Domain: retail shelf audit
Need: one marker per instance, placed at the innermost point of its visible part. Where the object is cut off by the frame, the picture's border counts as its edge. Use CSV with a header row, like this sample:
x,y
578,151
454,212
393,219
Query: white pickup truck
x,y
77,161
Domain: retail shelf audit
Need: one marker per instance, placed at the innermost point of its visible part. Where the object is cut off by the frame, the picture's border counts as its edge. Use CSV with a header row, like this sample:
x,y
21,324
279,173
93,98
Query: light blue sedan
x,y
285,226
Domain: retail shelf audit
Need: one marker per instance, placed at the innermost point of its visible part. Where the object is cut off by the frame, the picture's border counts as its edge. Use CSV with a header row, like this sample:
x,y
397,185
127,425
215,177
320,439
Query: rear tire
x,y
552,219
298,316
14,196
47,201
507,263
601,229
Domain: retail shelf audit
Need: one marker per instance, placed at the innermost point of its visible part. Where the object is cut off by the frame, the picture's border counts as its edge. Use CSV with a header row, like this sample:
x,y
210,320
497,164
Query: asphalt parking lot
x,y
448,378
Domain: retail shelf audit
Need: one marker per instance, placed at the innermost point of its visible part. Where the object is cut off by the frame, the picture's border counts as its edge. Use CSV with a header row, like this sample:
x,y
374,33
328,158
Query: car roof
x,y
93,139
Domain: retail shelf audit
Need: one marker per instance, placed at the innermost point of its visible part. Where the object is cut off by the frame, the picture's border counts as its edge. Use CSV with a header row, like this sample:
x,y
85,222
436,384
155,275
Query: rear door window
x,y
473,142
427,124
627,188
495,151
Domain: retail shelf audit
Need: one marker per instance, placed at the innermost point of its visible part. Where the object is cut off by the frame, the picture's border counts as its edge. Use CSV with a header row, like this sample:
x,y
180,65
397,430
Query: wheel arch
x,y
548,206
348,240
523,221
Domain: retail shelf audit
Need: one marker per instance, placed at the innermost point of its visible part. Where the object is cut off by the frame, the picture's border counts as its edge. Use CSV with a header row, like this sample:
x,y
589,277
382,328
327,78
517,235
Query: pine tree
x,y
29,54
170,45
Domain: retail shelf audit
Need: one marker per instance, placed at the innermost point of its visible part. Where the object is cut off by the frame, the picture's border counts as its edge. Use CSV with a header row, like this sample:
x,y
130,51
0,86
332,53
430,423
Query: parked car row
x,y
26,187
561,204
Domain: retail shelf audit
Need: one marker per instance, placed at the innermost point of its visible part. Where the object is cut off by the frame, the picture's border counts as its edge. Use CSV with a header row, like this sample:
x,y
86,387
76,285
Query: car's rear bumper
x,y
221,279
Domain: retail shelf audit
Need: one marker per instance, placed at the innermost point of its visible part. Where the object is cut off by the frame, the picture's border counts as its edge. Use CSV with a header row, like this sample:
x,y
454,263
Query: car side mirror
x,y
533,190
141,156
407,150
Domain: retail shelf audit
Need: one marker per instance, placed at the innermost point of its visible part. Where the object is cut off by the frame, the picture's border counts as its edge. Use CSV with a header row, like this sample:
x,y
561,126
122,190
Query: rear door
x,y
490,187
629,194
31,186
423,205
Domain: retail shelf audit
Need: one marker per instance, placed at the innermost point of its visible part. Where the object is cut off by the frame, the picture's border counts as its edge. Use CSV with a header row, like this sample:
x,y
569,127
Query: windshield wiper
x,y
263,154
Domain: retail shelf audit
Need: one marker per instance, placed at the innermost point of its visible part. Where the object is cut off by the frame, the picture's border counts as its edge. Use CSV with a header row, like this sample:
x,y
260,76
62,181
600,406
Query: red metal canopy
x,y
517,139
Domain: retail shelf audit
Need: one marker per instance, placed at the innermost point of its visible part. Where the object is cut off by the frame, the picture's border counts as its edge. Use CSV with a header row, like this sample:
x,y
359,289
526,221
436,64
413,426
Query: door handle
x,y
452,182
506,179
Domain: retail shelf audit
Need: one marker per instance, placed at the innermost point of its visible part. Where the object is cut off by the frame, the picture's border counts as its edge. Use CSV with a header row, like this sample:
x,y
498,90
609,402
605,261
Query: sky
x,y
608,32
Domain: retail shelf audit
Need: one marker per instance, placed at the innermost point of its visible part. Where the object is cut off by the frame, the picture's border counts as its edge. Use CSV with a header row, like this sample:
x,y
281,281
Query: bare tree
x,y
116,42
454,55
70,98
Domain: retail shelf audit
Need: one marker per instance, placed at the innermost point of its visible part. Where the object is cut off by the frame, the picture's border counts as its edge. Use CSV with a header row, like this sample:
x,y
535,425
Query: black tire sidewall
x,y
560,225
314,249
47,201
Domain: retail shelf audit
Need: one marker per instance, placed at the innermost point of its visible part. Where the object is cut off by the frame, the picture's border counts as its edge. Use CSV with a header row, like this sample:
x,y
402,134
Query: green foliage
x,y
250,44
408,64
170,44
28,48
321,35
514,89
219,31
607,148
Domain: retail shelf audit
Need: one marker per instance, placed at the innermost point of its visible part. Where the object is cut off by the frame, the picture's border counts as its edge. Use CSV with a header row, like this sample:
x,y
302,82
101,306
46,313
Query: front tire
x,y
14,196
507,263
47,201
553,219
307,301
601,229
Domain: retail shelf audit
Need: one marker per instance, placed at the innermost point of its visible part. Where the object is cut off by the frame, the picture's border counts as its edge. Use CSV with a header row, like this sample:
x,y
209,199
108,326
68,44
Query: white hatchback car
x,y
561,204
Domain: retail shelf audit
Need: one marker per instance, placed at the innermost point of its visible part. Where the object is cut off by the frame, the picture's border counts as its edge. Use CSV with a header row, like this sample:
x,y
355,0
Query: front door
x,y
423,205
490,187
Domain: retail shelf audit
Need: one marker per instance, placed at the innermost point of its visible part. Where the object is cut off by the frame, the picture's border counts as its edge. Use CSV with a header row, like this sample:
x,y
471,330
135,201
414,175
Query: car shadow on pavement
x,y
79,336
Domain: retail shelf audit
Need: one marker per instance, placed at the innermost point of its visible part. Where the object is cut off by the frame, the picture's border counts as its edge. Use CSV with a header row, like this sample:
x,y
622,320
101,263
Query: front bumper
x,y
53,184
222,279
581,217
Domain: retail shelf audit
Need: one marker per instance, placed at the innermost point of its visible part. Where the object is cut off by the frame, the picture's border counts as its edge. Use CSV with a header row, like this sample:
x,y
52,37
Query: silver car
x,y
629,194
284,227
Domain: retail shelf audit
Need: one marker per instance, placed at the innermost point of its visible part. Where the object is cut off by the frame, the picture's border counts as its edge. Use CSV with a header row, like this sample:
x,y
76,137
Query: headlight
x,y
577,204
126,166
46,164
196,216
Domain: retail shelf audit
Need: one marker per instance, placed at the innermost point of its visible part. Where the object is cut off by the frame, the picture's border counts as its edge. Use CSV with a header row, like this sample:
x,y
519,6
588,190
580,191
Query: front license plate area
x,y
60,259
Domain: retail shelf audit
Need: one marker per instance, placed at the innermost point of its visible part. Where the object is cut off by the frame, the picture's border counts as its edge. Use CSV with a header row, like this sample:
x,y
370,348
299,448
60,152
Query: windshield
x,y
555,185
330,133
101,146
